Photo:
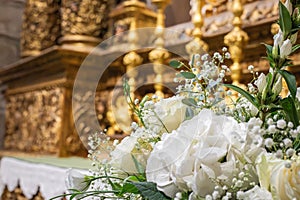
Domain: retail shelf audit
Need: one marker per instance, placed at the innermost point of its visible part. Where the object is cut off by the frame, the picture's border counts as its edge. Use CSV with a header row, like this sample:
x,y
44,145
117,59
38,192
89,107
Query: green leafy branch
x,y
269,100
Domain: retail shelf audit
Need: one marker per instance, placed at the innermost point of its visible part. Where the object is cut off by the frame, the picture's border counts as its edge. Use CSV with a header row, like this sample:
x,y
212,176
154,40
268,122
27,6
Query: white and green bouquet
x,y
204,142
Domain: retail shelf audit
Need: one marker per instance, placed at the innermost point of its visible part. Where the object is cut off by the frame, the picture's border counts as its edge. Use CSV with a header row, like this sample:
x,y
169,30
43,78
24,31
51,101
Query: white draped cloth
x,y
50,180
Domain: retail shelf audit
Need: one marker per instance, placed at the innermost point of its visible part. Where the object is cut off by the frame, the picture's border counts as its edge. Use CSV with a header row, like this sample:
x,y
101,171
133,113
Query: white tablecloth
x,y
50,180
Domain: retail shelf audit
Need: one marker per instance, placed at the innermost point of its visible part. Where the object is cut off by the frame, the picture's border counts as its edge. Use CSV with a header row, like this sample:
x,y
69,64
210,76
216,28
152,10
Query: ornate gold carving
x,y
255,12
119,116
131,10
127,13
41,26
197,45
17,194
84,21
34,121
213,7
159,55
236,40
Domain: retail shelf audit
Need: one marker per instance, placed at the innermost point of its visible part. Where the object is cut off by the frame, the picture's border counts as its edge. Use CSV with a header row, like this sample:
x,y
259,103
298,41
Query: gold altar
x,y
38,87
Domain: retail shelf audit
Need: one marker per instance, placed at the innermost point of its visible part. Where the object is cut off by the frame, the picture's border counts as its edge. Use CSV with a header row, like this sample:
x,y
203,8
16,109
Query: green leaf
x,y
176,64
189,113
129,188
295,48
139,167
290,80
290,110
144,100
244,93
149,191
189,102
285,21
269,49
188,75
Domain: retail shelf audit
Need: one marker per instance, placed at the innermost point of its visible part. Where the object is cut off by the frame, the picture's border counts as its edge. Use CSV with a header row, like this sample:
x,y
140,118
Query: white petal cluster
x,y
201,152
282,177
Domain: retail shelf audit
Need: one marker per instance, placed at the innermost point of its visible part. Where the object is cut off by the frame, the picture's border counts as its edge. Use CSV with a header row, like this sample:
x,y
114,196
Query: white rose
x,y
190,157
122,156
256,193
261,82
171,112
76,180
281,176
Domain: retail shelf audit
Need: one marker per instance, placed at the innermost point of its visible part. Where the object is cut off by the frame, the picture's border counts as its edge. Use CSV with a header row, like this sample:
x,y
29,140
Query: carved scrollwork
x,y
82,19
34,121
214,7
254,12
41,26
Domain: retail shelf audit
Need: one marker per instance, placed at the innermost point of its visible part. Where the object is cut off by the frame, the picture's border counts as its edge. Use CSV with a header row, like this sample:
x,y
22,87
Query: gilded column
x,y
84,22
197,45
159,55
236,40
40,27
132,59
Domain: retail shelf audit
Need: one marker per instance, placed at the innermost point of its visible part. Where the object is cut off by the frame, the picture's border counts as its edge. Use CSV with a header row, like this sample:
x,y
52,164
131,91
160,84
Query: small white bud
x,y
281,123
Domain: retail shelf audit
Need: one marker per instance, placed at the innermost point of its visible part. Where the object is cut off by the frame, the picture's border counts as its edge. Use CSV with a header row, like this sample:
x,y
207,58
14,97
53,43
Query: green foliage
x,y
290,110
190,102
244,93
188,75
189,113
176,64
290,80
149,191
139,167
285,21
295,48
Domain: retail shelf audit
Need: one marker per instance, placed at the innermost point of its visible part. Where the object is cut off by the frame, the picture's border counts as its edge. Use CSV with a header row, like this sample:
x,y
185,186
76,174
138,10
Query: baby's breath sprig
x,y
202,81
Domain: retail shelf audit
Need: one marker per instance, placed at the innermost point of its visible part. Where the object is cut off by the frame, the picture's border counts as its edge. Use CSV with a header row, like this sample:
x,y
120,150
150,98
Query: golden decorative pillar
x,y
84,22
132,10
40,27
197,45
159,55
130,60
236,40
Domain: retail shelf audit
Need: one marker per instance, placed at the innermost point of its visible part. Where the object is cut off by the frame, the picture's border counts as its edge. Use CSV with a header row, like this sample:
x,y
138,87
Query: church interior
x,y
62,64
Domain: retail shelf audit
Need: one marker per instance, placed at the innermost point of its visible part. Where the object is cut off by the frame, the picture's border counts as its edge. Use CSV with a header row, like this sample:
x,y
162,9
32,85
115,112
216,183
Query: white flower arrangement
x,y
196,145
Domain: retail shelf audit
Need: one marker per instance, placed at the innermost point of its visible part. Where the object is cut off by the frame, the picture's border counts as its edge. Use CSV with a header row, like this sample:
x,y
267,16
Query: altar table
x,y
43,176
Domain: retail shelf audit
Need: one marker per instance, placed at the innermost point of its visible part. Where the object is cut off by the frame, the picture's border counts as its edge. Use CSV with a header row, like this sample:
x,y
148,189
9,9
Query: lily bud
x,y
278,40
261,82
296,14
253,110
277,86
286,48
289,6
294,38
